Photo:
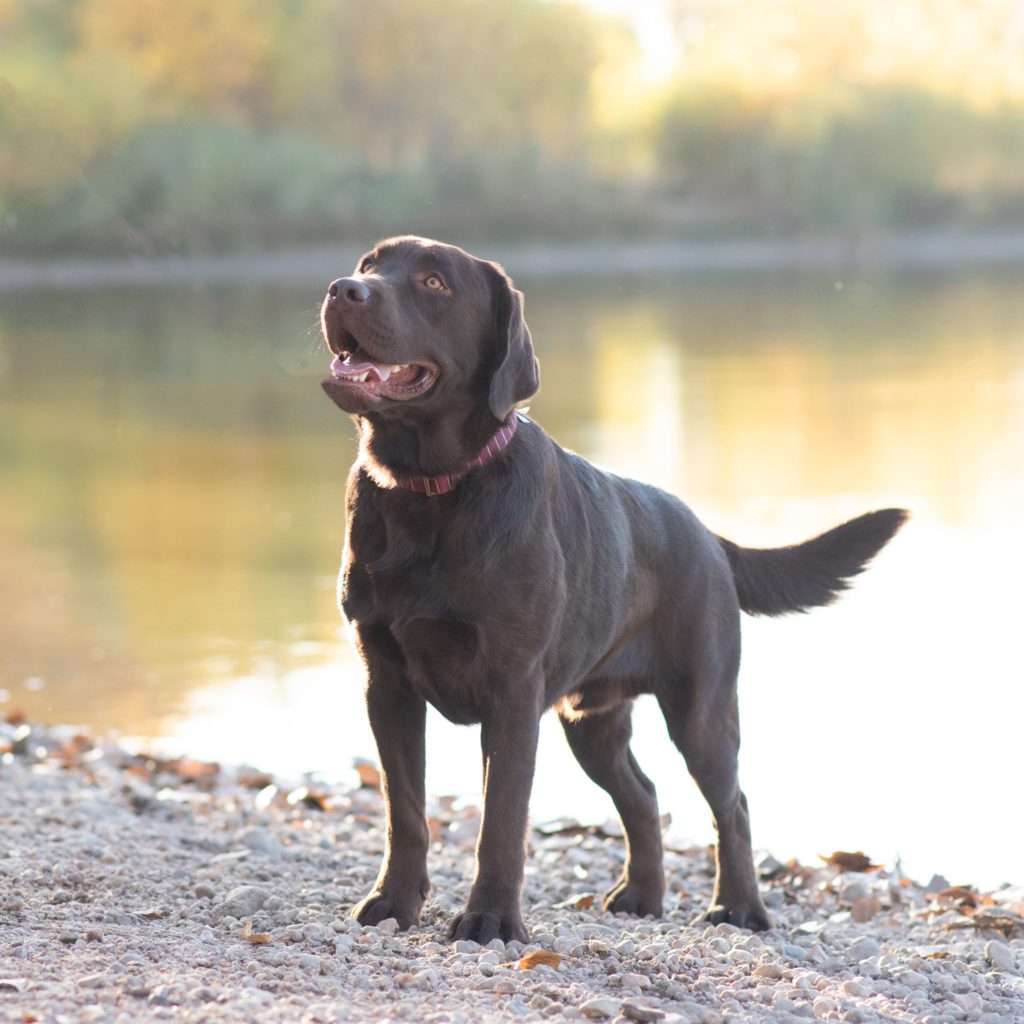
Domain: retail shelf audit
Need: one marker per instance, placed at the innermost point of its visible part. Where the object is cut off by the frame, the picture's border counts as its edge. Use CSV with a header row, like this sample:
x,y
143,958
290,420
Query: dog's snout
x,y
348,289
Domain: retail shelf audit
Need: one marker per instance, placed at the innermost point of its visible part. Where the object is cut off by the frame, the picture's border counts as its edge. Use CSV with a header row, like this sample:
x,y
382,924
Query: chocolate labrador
x,y
495,575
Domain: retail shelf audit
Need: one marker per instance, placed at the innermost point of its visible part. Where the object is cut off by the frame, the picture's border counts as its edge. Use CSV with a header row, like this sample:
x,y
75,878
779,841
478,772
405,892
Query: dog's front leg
x,y
508,736
398,718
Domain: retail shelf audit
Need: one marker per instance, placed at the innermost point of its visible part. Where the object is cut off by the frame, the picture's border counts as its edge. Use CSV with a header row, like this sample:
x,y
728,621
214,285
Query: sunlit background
x,y
772,256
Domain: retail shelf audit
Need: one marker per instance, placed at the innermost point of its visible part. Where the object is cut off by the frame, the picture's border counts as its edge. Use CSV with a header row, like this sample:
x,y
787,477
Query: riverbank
x,y
136,889
536,259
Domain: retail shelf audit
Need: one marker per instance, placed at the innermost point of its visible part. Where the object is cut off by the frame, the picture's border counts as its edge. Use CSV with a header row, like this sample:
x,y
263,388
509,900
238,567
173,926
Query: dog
x,y
495,575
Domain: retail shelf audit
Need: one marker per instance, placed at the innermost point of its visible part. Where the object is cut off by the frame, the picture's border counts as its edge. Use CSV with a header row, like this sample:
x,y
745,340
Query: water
x,y
171,502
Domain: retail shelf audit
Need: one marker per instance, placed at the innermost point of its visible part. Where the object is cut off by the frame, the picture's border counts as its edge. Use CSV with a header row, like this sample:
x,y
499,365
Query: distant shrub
x,y
847,159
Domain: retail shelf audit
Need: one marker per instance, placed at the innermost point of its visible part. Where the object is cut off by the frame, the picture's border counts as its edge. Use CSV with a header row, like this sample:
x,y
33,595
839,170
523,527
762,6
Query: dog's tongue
x,y
357,364
354,365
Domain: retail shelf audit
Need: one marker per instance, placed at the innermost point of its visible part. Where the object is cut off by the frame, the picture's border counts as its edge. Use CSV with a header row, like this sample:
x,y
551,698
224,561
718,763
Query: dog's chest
x,y
390,569
404,599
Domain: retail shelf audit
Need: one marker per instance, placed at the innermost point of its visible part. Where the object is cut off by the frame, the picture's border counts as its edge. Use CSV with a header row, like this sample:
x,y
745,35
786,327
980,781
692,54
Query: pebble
x,y
863,948
1000,956
425,979
600,1007
912,979
639,981
280,945
242,901
643,1014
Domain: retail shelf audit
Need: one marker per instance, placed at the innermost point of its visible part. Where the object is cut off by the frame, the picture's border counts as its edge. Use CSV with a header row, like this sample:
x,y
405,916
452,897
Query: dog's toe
x,y
753,918
630,898
377,907
482,927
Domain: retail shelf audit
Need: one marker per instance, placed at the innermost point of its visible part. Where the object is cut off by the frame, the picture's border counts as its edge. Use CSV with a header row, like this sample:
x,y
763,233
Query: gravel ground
x,y
134,889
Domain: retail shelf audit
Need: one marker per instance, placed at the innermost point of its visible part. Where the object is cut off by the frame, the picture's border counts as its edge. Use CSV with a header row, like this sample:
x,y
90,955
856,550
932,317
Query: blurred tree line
x,y
137,125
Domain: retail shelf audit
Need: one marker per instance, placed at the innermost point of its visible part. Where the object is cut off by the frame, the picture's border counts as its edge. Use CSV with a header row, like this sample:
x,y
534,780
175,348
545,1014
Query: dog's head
x,y
424,327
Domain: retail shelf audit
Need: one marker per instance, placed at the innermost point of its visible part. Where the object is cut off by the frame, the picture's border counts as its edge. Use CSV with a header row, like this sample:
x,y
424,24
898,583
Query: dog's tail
x,y
773,581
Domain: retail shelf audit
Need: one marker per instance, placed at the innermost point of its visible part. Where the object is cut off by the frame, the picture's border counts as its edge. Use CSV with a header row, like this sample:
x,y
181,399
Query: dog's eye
x,y
366,266
433,282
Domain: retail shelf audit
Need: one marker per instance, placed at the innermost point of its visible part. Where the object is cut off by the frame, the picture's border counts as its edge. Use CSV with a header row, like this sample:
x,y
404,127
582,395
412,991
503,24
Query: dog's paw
x,y
482,927
377,907
631,898
754,918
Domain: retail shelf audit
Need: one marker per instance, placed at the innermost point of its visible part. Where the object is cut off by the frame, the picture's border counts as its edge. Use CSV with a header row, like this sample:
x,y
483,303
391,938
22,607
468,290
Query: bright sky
x,y
652,27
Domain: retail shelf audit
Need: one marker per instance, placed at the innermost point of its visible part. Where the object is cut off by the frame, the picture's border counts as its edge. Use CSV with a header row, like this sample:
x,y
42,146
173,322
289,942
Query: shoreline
x,y
943,250
137,888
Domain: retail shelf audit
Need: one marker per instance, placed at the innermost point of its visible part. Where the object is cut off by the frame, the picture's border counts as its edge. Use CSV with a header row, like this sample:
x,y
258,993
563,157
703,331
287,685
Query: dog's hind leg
x,y
600,741
703,722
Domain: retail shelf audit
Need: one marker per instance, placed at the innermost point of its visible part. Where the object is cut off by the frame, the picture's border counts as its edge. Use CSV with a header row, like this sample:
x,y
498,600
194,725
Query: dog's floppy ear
x,y
515,375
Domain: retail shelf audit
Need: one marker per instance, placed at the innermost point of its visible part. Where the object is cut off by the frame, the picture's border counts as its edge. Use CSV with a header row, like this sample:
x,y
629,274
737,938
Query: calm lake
x,y
171,514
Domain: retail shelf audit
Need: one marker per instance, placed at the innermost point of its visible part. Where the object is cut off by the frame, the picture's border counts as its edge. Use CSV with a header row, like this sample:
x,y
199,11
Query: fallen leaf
x,y
199,773
960,895
252,779
257,938
308,798
1005,921
939,954
538,957
154,913
584,901
857,861
368,772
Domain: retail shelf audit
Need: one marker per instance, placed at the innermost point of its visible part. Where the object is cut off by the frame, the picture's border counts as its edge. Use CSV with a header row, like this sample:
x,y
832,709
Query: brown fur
x,y
540,581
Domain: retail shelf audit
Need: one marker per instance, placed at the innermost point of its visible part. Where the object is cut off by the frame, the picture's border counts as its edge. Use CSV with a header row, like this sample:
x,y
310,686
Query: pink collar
x,y
435,485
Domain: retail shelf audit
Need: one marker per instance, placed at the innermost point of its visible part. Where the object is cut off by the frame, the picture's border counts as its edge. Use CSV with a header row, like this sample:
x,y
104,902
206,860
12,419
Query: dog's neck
x,y
392,449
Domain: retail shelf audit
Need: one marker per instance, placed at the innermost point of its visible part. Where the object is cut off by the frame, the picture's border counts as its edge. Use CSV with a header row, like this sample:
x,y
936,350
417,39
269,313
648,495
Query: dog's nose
x,y
348,289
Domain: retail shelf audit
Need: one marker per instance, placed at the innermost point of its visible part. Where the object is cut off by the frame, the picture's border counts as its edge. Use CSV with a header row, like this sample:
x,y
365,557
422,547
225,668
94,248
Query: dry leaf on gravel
x,y
856,861
257,938
962,896
201,773
250,778
538,957
368,772
308,798
584,901
998,920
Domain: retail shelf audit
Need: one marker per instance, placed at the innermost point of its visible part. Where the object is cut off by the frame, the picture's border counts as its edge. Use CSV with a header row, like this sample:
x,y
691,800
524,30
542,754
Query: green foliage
x,y
137,126
849,158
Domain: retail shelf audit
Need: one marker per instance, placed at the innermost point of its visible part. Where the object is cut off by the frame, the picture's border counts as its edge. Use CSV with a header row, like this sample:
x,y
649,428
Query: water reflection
x,y
171,486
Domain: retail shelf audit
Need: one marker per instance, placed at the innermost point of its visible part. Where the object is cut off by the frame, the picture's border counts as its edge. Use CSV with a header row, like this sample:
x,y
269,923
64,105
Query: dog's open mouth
x,y
399,381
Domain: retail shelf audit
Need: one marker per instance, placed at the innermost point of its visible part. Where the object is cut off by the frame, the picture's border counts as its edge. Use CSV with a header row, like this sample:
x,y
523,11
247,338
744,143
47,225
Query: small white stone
x,y
600,1007
1000,956
424,979
863,948
637,981
912,979
823,1005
